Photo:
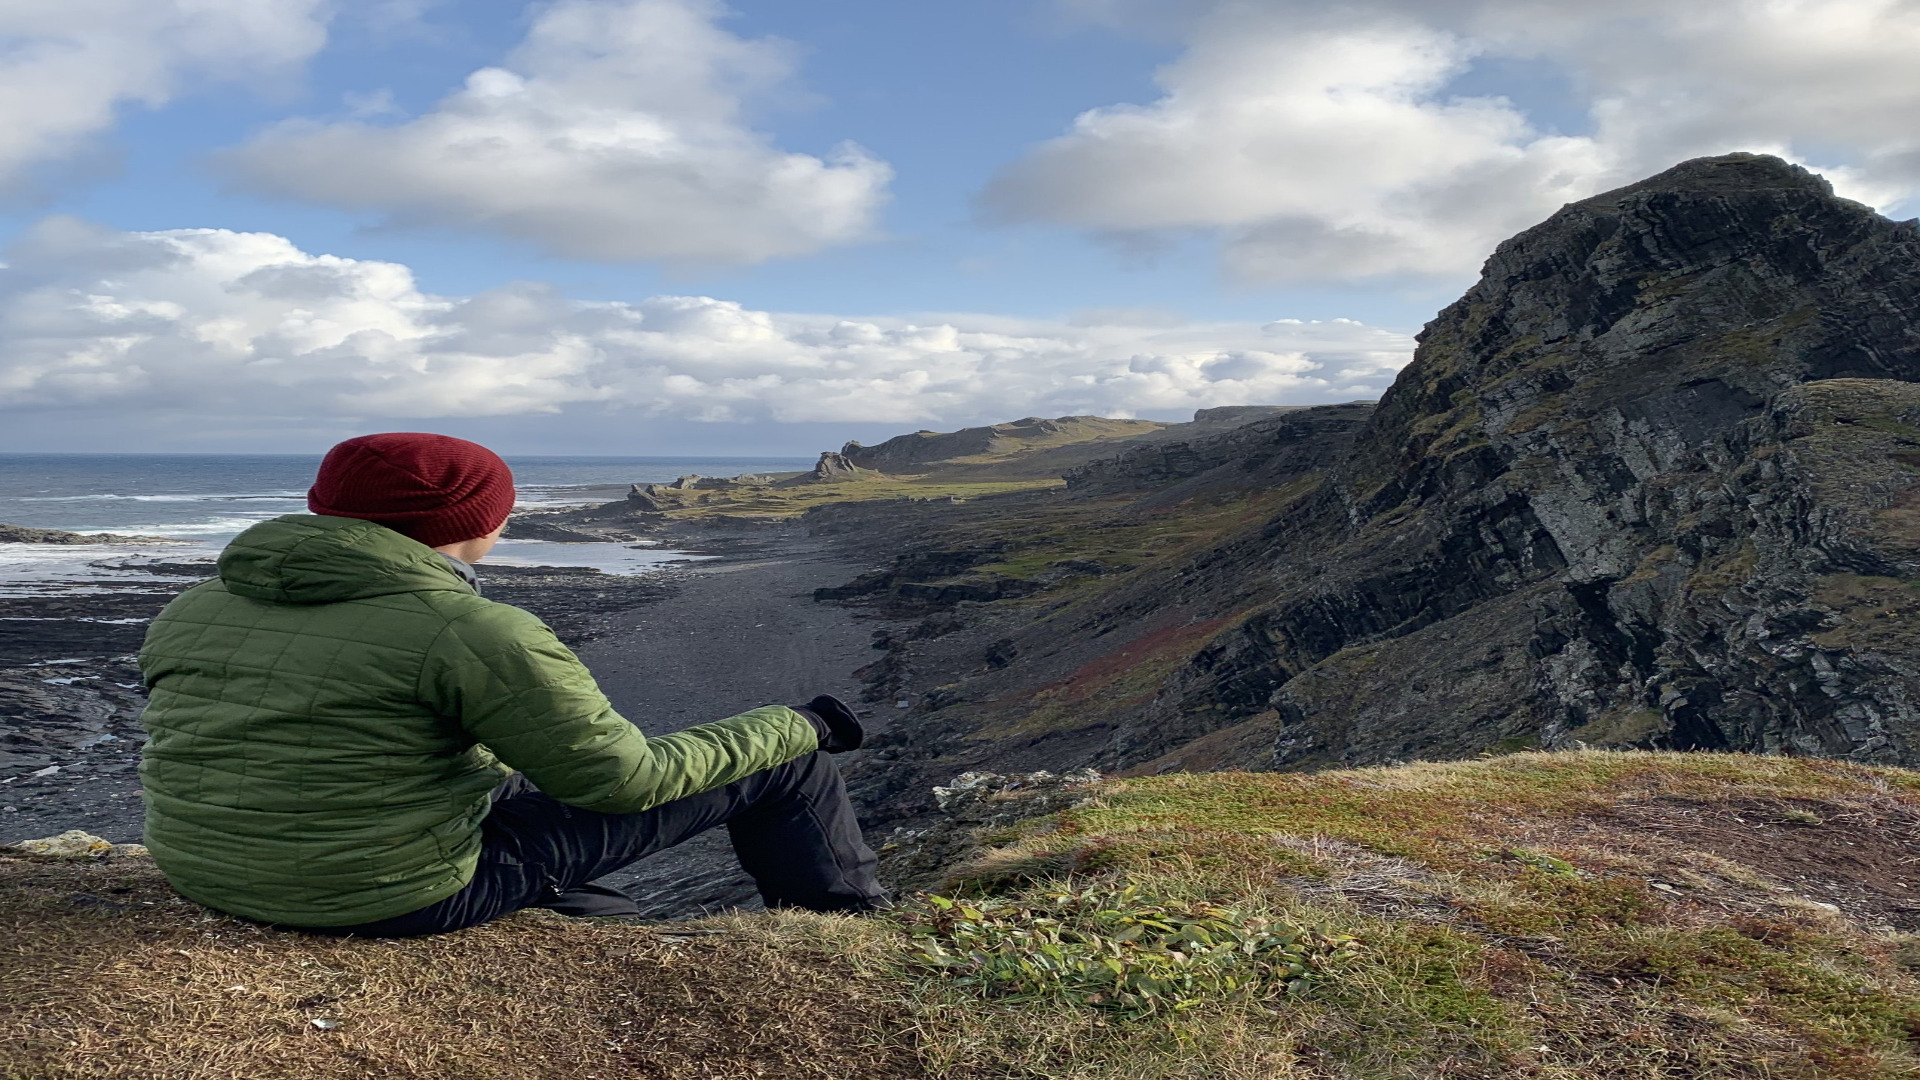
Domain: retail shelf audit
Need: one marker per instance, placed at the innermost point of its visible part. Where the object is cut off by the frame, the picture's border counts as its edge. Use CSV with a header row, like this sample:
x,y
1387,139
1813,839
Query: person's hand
x,y
839,729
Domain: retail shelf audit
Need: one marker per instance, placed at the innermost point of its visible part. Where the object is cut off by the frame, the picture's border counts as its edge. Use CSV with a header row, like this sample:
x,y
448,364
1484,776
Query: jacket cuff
x,y
820,728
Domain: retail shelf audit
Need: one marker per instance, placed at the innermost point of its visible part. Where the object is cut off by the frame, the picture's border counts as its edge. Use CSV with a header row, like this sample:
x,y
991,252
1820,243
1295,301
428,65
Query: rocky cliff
x,y
1640,485
1653,481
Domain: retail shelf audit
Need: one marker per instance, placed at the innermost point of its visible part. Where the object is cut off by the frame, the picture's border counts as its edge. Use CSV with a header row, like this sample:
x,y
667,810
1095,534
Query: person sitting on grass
x,y
346,737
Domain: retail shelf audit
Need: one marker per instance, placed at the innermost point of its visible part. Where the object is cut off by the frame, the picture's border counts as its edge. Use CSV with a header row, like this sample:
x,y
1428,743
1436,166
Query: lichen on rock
x,y
74,844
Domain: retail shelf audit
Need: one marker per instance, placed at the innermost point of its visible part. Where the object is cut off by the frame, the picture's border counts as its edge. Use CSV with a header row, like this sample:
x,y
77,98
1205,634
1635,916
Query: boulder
x,y
74,844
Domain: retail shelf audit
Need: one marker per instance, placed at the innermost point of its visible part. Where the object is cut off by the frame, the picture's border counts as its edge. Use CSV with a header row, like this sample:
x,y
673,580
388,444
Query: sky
x,y
687,226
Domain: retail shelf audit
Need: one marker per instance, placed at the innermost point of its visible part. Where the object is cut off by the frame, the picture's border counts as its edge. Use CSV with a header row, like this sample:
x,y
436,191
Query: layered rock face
x,y
1655,480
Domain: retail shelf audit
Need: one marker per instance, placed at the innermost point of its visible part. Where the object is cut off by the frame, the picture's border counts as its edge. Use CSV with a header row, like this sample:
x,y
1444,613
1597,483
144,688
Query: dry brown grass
x,y
104,973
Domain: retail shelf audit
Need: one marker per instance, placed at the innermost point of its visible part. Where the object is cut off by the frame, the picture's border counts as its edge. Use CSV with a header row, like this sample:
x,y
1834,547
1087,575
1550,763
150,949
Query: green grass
x,y
1120,949
1501,927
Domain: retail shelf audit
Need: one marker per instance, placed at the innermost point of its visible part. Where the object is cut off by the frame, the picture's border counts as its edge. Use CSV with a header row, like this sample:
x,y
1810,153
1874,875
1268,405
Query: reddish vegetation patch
x,y
1862,856
1175,642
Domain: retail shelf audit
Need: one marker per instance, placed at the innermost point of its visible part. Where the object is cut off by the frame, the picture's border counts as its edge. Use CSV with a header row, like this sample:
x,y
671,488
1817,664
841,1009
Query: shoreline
x,y
692,642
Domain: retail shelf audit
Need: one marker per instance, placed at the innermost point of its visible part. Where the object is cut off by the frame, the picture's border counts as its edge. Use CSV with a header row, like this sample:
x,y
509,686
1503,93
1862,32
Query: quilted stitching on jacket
x,y
329,715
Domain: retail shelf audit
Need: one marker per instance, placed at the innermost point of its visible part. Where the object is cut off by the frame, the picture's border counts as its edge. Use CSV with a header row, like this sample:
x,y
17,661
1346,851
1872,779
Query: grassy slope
x,y
1554,916
777,502
1017,450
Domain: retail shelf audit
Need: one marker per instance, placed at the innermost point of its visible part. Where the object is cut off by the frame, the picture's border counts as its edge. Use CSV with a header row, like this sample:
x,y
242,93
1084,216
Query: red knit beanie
x,y
435,488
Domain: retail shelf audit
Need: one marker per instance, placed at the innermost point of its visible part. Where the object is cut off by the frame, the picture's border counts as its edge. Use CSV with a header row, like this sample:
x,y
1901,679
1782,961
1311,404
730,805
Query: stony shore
x,y
698,641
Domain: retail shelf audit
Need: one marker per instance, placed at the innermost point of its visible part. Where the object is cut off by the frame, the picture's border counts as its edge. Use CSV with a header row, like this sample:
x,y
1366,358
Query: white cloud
x,y
614,132
68,66
1322,141
241,327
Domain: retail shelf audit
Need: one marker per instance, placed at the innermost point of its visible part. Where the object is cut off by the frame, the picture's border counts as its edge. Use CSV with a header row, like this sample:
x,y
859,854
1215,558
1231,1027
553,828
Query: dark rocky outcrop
x,y
622,521
695,482
50,715
20,534
534,528
640,500
927,581
1654,481
831,466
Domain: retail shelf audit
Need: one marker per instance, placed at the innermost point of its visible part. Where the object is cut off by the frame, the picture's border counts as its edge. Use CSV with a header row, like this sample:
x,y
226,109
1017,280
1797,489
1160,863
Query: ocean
x,y
203,500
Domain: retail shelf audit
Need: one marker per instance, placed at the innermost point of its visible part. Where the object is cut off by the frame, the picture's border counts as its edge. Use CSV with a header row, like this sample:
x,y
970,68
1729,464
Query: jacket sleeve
x,y
529,700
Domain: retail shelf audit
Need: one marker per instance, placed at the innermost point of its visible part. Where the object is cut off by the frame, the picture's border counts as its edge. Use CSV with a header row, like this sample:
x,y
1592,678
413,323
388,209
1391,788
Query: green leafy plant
x,y
1544,863
1123,950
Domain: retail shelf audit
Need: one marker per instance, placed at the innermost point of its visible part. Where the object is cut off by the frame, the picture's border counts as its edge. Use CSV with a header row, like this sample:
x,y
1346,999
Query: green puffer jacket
x,y
330,713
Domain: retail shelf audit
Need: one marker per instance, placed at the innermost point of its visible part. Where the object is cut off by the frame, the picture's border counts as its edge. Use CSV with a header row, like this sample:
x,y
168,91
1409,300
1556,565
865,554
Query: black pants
x,y
792,827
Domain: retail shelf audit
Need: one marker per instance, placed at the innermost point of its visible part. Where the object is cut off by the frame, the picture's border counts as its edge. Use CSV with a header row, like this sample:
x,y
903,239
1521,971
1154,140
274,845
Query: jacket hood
x,y
311,559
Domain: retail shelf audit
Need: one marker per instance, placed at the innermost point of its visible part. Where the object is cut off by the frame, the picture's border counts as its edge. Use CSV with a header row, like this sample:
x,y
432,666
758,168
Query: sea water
x,y
200,501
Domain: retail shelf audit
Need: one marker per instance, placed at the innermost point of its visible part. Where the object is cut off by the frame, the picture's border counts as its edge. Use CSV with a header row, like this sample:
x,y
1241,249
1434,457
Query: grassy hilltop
x,y
1565,916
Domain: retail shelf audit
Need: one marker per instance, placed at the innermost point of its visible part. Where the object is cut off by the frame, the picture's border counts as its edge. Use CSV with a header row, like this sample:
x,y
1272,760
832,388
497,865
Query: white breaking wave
x,y
219,527
217,497
40,569
535,498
